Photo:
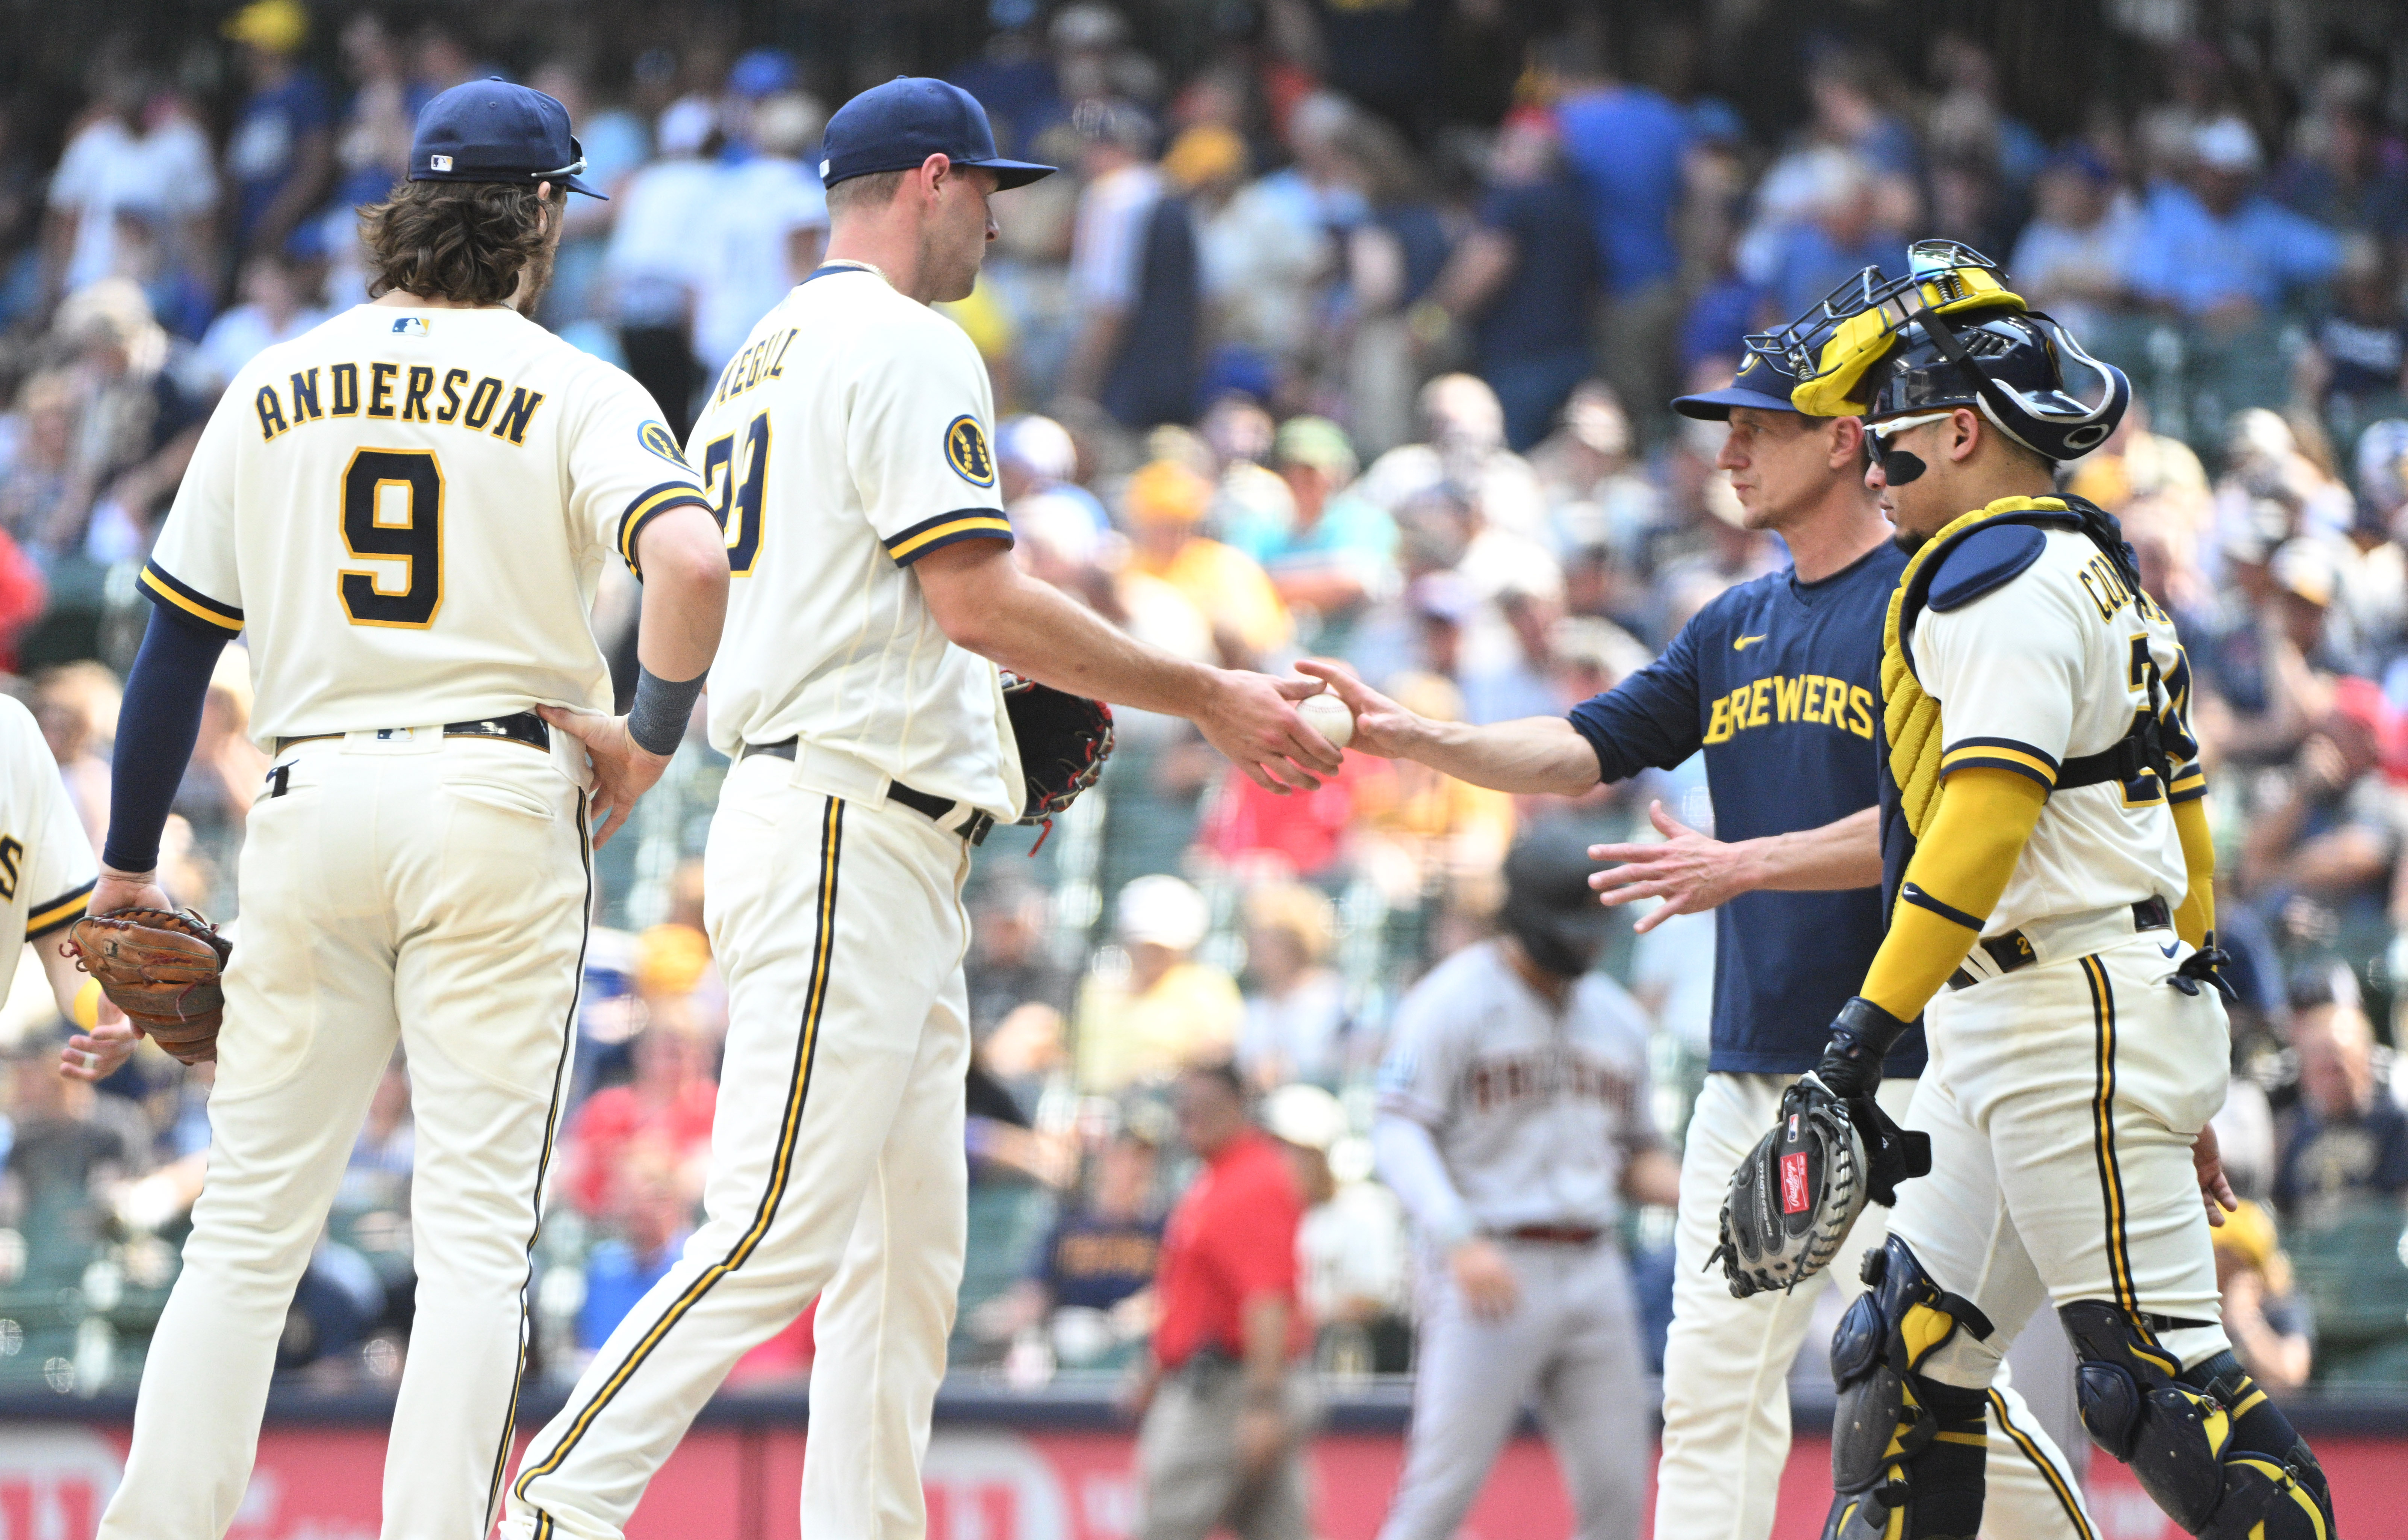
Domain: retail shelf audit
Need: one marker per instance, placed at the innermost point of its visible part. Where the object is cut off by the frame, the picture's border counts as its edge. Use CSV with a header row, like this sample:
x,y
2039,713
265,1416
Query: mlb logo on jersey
x,y
410,326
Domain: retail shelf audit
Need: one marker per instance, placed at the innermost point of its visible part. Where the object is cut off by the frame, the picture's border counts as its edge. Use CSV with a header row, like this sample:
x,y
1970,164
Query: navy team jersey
x,y
1778,682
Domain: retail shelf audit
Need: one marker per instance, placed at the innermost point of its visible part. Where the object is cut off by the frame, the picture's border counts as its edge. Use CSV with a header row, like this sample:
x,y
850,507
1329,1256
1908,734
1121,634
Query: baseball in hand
x,y
1329,716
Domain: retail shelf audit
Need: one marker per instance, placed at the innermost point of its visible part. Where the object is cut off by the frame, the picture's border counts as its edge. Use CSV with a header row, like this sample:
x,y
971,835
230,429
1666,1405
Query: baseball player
x,y
848,450
407,509
45,877
1777,681
1513,1121
2053,925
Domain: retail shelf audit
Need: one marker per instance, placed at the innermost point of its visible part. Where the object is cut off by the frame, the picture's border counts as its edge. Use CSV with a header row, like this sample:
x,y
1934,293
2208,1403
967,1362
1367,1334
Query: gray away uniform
x,y
1500,1116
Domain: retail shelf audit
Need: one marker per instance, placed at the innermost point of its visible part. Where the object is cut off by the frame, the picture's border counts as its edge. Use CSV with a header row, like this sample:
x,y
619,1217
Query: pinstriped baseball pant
x,y
427,892
1726,1362
837,1165
2065,1099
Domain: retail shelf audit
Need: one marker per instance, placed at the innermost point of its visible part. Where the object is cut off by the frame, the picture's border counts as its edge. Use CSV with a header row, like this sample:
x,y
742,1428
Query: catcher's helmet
x,y
1950,334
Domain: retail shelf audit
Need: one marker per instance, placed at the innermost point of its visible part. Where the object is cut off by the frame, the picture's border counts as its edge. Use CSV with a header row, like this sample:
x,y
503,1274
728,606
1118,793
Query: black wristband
x,y
1861,1039
657,719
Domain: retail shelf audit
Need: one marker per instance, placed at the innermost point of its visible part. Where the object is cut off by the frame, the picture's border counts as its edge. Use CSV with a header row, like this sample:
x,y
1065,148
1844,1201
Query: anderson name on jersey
x,y
379,519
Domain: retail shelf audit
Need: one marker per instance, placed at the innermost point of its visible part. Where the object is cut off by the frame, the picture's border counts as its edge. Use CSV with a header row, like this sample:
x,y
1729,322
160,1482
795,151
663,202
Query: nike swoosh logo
x,y
1743,643
2171,951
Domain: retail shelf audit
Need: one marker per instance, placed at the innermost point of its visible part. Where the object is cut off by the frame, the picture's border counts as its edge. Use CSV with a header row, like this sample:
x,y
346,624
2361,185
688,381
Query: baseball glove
x,y
1064,740
162,969
1794,1199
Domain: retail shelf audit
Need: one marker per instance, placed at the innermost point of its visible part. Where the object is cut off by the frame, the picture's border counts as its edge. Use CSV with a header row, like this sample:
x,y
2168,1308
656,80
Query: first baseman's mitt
x,y
1064,740
1794,1199
162,969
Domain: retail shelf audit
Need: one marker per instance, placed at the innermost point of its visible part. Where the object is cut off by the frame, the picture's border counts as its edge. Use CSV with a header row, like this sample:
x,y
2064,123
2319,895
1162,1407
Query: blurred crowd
x,y
1289,362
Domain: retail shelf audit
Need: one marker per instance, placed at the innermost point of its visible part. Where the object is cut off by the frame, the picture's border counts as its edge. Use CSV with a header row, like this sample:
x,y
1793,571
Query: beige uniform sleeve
x,y
192,568
919,440
625,467
56,873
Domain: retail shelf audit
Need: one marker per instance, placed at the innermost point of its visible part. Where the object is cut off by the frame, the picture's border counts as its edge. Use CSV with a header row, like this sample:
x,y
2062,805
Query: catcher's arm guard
x,y
1064,740
1796,1196
163,970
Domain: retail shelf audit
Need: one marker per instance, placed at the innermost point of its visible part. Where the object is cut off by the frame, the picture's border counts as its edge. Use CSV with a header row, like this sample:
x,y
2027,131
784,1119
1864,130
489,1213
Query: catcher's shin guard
x,y
1907,1451
2205,1443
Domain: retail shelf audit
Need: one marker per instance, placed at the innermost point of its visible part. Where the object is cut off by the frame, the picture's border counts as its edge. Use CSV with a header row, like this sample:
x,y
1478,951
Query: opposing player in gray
x,y
1513,1121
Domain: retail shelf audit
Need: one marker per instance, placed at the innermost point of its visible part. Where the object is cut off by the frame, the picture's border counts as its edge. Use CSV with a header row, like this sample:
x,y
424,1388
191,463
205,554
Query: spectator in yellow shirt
x,y
1162,1011
1165,505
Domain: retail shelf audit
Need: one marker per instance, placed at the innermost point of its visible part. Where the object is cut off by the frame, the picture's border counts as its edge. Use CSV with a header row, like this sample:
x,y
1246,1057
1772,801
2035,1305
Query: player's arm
x,y
1977,832
984,602
682,558
1650,719
1653,1175
1406,1154
1693,872
157,724
1532,755
2194,917
630,489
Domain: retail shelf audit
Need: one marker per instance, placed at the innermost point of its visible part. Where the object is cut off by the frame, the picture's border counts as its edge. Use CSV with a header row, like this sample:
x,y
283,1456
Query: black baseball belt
x,y
955,818
518,727
2013,949
1553,1234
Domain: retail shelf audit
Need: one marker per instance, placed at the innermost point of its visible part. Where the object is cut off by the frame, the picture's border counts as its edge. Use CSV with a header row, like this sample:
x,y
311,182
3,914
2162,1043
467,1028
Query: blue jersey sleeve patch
x,y
1983,561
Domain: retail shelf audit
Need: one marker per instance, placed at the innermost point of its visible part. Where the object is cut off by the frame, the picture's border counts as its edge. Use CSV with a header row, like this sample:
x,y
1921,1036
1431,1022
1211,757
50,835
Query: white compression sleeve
x,y
1409,1161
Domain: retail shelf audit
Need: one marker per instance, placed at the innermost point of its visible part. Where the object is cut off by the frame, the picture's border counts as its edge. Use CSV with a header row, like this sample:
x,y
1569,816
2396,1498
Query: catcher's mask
x,y
1948,335
1549,907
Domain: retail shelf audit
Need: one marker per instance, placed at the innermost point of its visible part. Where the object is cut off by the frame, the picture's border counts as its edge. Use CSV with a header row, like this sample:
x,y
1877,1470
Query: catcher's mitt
x,y
1064,740
160,968
1794,1199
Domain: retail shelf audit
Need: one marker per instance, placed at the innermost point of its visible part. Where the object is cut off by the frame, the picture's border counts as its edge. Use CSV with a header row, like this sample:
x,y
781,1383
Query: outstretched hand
x,y
1692,872
1381,727
623,769
1252,719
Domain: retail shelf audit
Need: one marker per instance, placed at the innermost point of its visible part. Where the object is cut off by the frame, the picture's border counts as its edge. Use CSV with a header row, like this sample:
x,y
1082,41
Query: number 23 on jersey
x,y
736,489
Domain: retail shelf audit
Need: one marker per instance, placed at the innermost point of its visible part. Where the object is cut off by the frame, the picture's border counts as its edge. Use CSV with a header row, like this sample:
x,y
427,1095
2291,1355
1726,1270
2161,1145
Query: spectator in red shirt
x,y
667,1106
1227,1404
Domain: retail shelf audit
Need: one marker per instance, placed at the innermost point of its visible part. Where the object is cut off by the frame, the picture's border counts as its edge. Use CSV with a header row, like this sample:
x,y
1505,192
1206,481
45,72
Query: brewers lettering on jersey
x,y
405,512
845,451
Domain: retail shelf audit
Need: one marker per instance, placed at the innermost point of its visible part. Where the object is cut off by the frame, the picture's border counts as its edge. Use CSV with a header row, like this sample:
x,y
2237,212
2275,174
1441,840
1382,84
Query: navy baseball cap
x,y
1760,383
895,126
492,131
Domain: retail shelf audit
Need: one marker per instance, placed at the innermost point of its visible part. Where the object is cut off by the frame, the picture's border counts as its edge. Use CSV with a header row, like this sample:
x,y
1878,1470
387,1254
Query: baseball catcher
x,y
2050,874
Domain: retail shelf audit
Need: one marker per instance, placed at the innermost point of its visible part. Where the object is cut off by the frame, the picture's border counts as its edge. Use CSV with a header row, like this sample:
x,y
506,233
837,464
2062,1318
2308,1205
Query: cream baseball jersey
x,y
2048,667
46,861
846,441
409,511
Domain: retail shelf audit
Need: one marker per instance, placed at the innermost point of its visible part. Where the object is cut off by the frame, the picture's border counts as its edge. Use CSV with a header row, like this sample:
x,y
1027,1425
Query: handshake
x,y
1793,1200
